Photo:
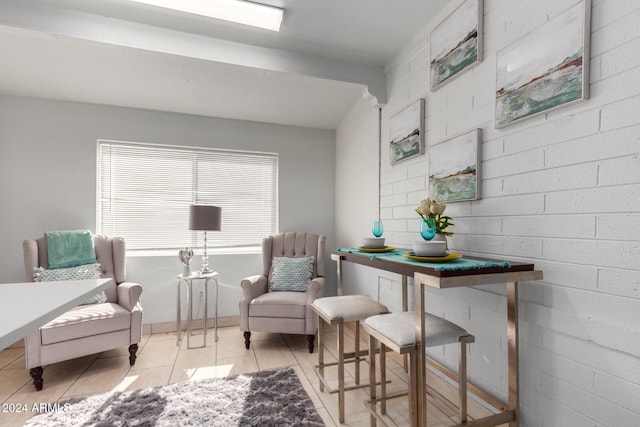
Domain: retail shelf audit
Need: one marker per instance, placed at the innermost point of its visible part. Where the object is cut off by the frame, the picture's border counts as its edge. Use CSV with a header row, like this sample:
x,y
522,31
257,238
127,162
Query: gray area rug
x,y
267,398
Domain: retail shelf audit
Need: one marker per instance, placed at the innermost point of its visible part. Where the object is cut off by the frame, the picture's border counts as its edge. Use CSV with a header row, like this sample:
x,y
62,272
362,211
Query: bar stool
x,y
396,332
336,311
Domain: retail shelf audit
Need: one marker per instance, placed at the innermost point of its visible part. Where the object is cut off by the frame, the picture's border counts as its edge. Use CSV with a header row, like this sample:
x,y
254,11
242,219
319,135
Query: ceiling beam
x,y
37,16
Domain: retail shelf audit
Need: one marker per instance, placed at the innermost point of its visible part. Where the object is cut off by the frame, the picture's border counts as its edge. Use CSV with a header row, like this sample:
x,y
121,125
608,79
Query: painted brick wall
x,y
561,190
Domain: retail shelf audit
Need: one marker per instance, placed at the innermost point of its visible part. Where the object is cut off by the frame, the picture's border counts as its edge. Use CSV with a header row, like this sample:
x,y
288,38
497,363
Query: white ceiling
x,y
115,52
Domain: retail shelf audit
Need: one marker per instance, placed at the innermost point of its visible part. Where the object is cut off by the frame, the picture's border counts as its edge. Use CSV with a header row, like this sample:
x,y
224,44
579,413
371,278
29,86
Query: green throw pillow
x,y
82,272
290,274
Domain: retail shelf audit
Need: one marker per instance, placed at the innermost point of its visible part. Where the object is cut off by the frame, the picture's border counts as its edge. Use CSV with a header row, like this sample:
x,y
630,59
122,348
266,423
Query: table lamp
x,y
205,218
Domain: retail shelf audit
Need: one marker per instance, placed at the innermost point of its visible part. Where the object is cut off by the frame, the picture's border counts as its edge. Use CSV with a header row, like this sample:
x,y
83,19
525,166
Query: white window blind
x,y
145,190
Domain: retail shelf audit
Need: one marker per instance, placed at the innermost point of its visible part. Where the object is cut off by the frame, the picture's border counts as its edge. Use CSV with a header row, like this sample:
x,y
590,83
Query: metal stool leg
x,y
462,382
372,380
357,351
383,378
321,351
413,381
341,371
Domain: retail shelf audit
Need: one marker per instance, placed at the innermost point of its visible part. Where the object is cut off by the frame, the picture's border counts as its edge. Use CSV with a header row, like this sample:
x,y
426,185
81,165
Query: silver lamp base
x,y
205,258
206,270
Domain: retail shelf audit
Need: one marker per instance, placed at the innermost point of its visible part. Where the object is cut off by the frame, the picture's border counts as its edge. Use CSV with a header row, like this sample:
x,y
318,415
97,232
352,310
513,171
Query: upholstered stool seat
x,y
336,311
396,332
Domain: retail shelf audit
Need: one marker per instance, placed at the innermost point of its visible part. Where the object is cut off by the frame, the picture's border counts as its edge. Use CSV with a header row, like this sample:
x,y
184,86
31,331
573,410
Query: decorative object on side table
x,y
434,222
376,242
205,218
430,248
378,228
428,228
373,243
185,255
432,212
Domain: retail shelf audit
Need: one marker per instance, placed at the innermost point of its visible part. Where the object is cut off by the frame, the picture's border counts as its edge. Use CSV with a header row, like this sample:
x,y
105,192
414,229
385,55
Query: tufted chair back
x,y
294,245
110,254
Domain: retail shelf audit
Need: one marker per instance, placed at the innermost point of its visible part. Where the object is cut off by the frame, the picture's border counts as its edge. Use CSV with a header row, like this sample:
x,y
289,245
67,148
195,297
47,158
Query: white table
x,y
188,281
27,306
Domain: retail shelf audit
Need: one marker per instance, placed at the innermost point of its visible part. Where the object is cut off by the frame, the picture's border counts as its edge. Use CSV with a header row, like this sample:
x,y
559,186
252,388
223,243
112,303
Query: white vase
x,y
441,238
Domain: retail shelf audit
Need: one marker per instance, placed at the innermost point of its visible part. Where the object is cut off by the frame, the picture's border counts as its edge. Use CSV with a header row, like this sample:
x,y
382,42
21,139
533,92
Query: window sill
x,y
197,252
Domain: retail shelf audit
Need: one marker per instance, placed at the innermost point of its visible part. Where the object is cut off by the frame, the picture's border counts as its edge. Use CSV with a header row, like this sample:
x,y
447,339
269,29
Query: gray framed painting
x,y
456,43
454,168
546,69
406,131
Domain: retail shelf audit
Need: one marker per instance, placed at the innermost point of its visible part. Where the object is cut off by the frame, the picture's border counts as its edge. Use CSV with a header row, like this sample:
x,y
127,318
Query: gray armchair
x,y
86,329
284,311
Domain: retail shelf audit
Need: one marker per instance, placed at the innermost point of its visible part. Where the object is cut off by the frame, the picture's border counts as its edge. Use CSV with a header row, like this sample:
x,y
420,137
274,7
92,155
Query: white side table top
x,y
198,275
27,306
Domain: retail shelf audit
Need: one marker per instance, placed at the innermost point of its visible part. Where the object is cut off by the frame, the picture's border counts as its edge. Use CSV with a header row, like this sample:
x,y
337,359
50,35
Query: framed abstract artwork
x,y
546,69
454,168
456,43
406,131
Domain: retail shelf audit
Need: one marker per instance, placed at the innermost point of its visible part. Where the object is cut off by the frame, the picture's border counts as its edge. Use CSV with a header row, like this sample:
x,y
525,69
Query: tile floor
x,y
161,362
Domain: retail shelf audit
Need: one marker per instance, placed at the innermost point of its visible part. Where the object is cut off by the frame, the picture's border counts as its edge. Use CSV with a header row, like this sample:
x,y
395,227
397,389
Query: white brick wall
x,y
561,190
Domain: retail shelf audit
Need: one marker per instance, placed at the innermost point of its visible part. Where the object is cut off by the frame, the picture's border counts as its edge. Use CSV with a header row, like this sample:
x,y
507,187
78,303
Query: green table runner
x,y
456,264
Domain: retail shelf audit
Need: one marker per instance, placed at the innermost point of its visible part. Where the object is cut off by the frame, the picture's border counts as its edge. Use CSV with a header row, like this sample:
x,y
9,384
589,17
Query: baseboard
x,y
17,344
165,327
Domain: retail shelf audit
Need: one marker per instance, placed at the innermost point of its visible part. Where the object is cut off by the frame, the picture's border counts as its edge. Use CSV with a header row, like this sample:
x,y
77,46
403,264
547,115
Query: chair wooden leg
x,y
247,339
36,374
133,349
311,339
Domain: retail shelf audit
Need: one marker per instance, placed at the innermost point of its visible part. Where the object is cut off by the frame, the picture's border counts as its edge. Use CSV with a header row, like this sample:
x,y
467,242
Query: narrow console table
x,y
466,271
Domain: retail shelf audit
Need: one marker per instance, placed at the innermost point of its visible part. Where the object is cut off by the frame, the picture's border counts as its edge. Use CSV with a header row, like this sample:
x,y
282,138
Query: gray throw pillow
x,y
81,272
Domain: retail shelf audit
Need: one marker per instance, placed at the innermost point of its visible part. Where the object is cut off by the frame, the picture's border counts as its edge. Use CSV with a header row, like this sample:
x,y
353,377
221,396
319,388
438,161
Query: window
x,y
145,190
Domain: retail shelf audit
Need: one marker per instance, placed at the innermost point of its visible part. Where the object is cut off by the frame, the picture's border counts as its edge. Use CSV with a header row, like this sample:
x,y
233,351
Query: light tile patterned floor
x,y
161,362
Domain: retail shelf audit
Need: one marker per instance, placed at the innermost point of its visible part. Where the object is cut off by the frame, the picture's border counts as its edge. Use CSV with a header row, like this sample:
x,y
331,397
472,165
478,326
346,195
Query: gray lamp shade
x,y
205,217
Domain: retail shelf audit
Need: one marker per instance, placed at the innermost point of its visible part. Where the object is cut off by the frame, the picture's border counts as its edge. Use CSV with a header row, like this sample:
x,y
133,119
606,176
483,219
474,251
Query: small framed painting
x,y
456,43
454,168
406,131
546,69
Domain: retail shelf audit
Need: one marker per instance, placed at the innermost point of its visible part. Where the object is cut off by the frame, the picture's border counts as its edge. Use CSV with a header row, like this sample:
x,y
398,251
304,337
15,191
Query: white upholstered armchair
x,y
86,329
273,303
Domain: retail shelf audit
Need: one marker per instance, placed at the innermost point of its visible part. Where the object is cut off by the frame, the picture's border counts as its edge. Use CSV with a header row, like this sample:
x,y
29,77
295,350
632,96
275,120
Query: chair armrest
x,y
129,295
30,250
316,288
252,287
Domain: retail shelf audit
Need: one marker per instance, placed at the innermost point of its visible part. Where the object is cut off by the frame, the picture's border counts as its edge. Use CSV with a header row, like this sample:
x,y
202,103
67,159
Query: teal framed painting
x,y
454,168
456,43
406,132
546,69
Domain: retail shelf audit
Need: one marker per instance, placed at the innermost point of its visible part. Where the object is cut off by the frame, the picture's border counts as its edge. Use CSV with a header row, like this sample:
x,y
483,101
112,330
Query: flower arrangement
x,y
431,212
